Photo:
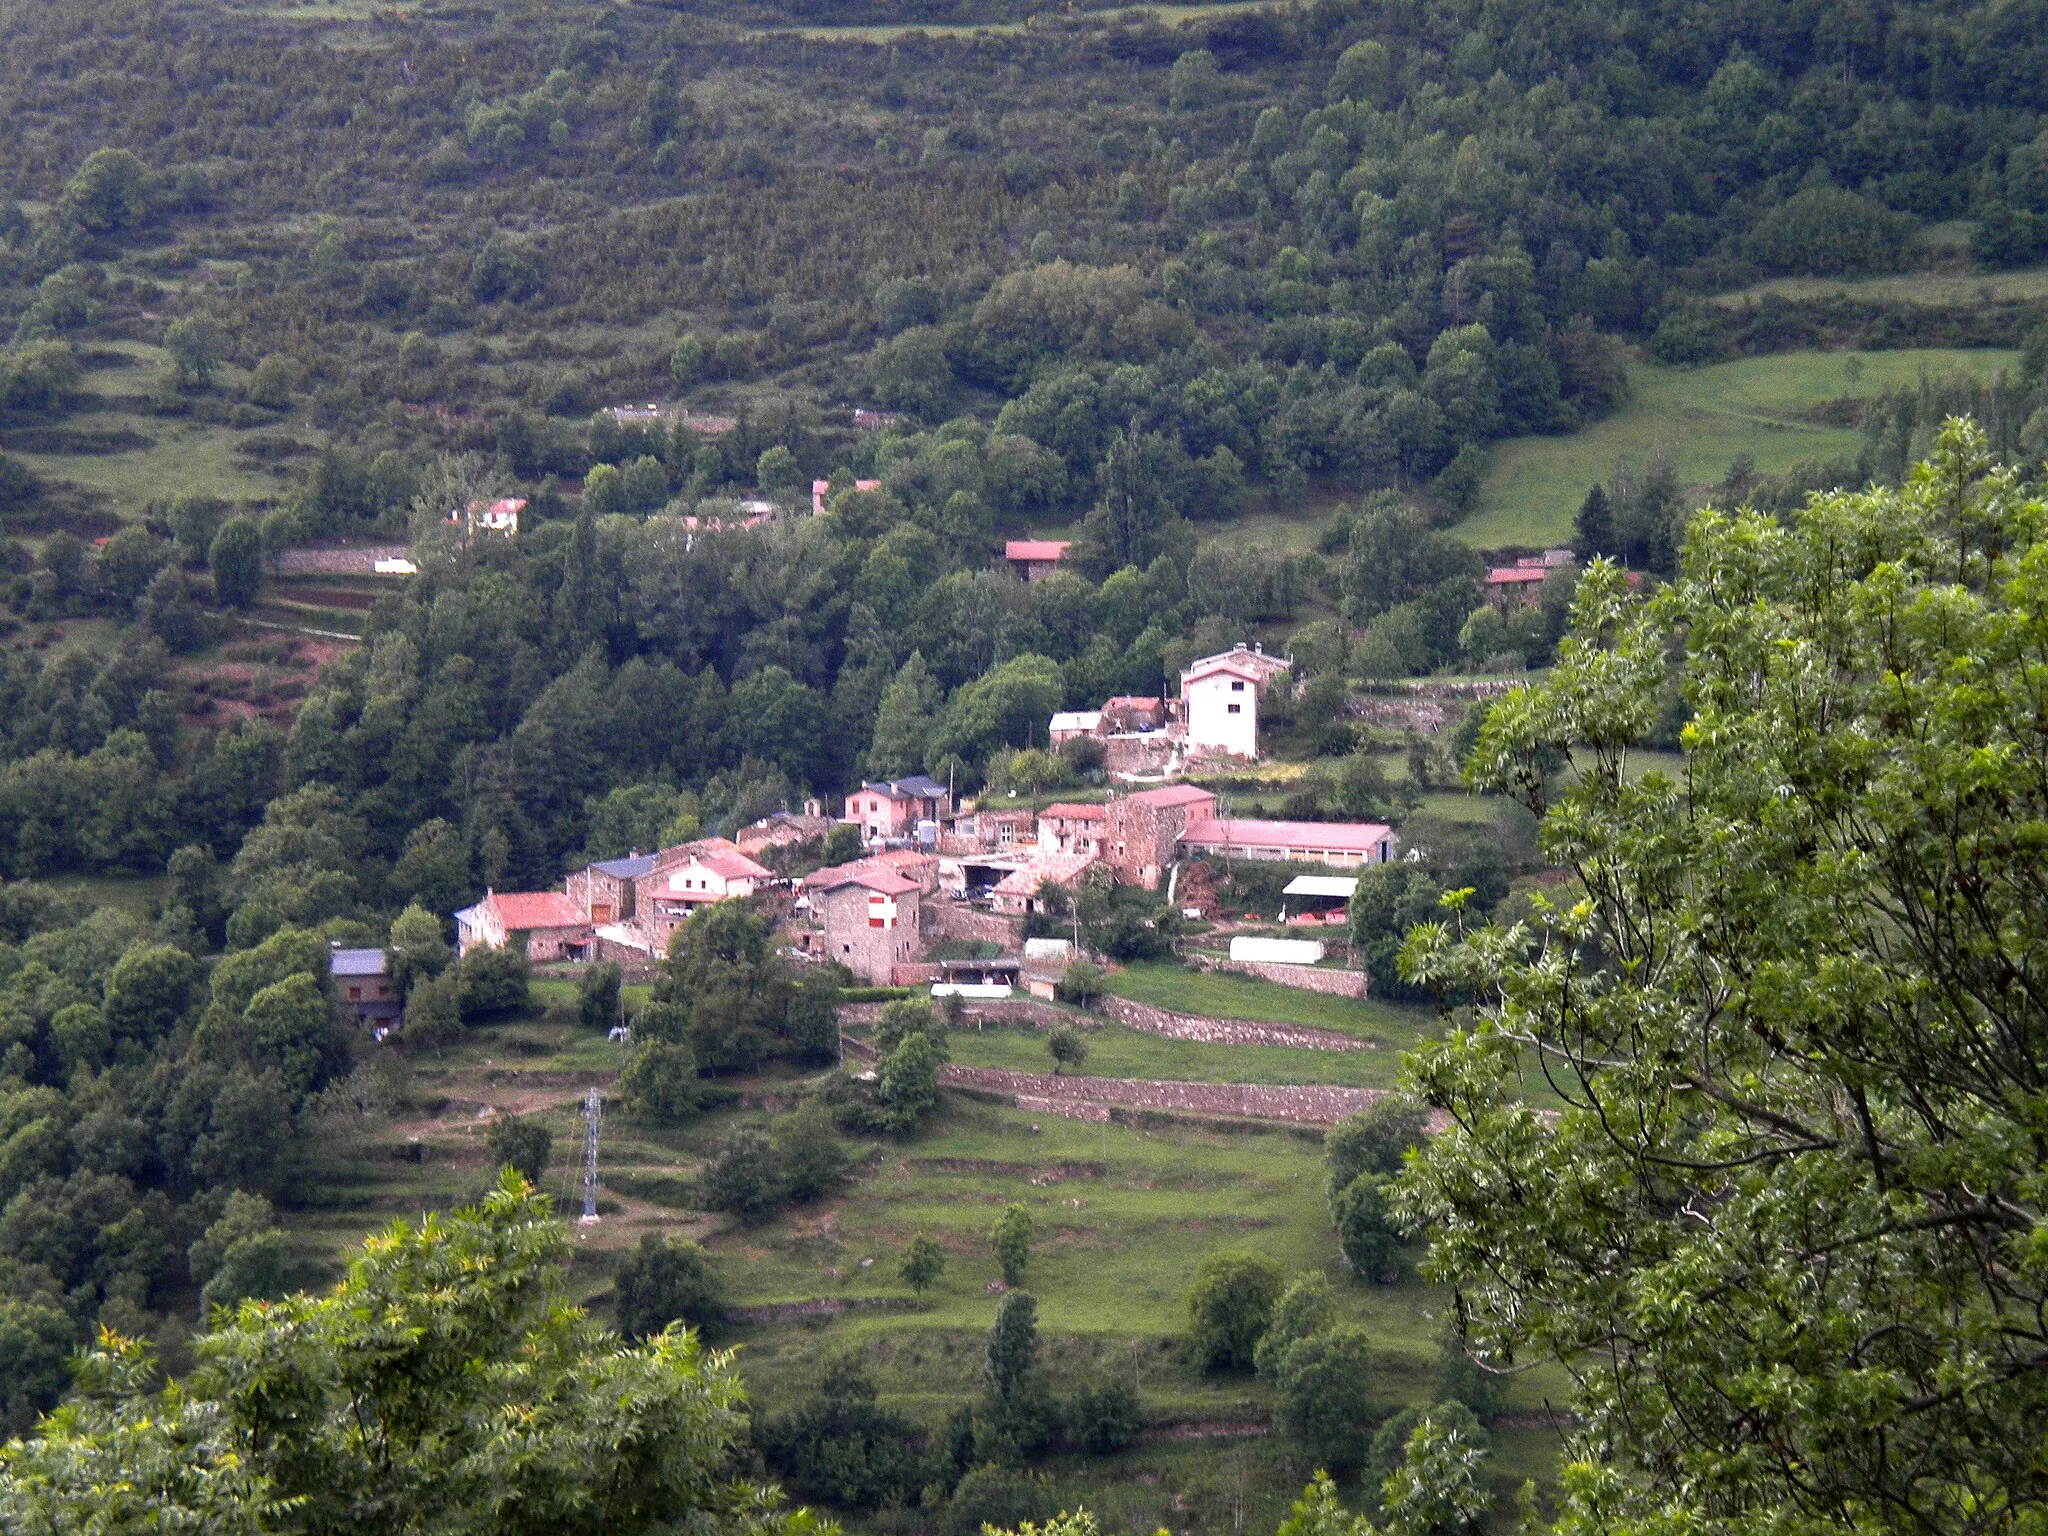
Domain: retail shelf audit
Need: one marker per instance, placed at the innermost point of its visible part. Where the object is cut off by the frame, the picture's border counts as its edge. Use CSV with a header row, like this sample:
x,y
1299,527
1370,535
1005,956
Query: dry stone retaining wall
x,y
1066,1109
1187,1026
1302,1105
1308,978
944,918
361,560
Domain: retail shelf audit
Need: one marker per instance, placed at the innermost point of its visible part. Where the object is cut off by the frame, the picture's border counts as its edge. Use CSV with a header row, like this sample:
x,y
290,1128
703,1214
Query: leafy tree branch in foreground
x,y
442,1386
1787,1233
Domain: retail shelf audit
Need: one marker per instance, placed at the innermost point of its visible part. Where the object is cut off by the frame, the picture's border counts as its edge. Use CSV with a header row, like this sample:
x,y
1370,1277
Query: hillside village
x,y
934,867
965,768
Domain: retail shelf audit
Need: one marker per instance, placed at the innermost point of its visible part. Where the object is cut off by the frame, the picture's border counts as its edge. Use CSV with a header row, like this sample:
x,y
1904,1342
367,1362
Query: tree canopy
x,y
1785,1233
442,1386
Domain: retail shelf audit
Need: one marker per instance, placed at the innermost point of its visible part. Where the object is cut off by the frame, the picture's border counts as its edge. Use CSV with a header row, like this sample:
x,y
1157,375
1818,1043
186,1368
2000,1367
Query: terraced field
x,y
1125,1210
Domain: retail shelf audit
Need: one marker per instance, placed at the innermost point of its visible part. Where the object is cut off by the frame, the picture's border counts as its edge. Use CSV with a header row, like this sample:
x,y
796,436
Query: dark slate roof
x,y
922,785
355,962
626,869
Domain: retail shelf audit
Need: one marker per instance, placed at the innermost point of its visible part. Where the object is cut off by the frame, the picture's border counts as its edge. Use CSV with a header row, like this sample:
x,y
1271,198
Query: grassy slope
x,y
1905,288
1114,1051
1705,417
1124,1217
187,455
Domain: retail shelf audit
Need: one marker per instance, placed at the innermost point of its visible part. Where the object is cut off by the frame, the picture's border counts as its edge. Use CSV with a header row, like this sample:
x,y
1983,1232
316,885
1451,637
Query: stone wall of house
x,y
589,888
944,918
1148,754
1139,840
1309,978
872,954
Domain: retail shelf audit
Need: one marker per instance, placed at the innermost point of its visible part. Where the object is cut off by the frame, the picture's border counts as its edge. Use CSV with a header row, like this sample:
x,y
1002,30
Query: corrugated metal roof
x,y
355,962
1236,832
1321,885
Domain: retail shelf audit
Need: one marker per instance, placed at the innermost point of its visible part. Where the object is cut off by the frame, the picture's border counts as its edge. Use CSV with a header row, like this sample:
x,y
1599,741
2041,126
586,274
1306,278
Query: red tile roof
x,y
1066,811
1337,836
863,872
1507,575
734,865
1170,795
1035,549
903,858
520,910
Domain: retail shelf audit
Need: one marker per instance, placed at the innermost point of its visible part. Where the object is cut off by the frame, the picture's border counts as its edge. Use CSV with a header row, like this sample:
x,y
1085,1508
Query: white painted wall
x,y
1279,951
1223,714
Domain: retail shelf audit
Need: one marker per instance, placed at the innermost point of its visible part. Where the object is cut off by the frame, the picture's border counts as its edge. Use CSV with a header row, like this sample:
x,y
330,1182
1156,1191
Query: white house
x,y
711,873
1220,700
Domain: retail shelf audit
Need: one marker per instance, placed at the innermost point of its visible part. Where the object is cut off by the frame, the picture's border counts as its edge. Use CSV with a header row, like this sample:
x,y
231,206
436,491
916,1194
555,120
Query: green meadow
x,y
1705,418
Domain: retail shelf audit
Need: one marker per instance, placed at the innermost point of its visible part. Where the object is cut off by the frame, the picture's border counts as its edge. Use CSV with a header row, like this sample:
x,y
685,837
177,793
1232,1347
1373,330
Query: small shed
x,y
987,980
1319,898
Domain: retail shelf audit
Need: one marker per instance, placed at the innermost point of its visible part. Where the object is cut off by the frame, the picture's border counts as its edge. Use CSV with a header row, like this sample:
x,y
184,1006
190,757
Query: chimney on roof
x,y
334,946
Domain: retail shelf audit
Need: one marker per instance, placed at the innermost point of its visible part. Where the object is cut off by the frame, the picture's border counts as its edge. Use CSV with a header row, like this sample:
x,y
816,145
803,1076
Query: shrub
x,y
1082,984
517,1141
659,1082
744,1177
1105,1418
1327,1396
1010,1238
597,997
1373,1142
1365,1228
492,981
1230,1306
667,1281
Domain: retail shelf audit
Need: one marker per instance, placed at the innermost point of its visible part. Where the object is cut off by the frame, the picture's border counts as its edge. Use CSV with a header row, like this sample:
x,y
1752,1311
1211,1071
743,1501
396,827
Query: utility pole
x,y
593,1111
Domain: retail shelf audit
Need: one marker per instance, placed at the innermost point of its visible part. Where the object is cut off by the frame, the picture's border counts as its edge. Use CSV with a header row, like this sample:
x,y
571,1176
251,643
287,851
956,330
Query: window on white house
x,y
1237,709
1237,687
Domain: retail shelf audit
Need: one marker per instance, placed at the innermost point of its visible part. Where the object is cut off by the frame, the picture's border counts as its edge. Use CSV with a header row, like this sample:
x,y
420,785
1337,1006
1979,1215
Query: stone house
x,y
995,831
1035,559
1071,724
869,917
894,807
784,829
547,925
1071,828
605,891
1219,698
1142,832
362,980
686,879
1127,714
1018,893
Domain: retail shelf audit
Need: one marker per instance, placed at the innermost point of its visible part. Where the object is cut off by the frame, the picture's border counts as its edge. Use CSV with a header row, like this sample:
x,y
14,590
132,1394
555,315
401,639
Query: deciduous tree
x,y
1783,1231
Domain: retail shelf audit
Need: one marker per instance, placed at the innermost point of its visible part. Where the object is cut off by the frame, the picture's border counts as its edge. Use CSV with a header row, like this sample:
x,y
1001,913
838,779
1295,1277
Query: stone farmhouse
x,y
546,925
1216,715
894,808
869,918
